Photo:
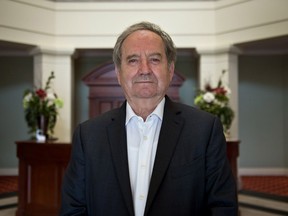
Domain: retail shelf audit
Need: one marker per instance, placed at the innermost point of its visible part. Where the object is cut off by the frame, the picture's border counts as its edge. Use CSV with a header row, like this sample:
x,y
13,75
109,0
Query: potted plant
x,y
216,101
41,107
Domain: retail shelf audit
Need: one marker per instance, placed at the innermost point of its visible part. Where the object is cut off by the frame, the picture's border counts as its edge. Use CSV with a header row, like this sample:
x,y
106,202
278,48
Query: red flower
x,y
41,93
219,90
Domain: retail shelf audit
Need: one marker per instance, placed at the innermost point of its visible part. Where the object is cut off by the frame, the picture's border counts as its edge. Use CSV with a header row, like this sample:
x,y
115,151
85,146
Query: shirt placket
x,y
142,175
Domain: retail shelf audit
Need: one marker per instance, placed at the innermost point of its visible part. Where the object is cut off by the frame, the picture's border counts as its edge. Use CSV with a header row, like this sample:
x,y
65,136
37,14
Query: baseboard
x,y
263,171
9,172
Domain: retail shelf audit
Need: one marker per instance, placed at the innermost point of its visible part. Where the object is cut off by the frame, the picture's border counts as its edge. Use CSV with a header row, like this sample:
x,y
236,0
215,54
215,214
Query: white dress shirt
x,y
142,140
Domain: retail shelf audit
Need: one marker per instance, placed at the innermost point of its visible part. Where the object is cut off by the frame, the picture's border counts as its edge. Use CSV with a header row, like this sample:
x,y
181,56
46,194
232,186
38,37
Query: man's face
x,y
144,71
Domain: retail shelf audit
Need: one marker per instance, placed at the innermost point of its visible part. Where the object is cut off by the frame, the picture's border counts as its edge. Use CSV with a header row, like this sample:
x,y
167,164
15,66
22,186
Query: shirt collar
x,y
158,111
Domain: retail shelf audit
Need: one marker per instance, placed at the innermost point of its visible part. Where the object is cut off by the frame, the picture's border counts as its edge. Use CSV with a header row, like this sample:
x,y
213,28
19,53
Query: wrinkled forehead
x,y
143,40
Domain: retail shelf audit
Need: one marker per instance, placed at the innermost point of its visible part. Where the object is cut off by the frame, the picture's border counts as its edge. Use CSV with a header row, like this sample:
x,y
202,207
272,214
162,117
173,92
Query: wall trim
x,y
263,171
9,172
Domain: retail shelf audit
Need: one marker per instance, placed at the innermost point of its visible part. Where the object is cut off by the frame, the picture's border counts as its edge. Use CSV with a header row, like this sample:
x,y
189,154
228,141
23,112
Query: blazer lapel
x,y
118,142
169,134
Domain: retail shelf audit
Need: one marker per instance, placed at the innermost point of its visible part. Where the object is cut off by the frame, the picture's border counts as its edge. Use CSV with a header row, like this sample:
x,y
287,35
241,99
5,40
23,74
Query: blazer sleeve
x,y
73,186
220,183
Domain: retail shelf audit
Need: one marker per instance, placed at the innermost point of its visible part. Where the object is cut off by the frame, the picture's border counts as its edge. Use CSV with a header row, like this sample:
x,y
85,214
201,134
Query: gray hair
x,y
170,49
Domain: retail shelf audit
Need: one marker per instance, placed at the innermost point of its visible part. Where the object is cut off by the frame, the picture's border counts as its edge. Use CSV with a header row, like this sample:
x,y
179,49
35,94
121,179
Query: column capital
x,y
53,51
218,50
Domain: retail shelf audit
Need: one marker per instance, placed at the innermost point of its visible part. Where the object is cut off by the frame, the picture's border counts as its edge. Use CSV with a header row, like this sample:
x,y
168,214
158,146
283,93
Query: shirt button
x,y
145,138
141,197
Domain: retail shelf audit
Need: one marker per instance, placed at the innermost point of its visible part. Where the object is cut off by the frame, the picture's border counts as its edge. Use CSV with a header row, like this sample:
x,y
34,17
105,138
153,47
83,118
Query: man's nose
x,y
144,67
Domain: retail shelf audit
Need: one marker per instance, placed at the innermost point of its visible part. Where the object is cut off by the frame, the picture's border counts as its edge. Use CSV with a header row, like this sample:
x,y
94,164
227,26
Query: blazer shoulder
x,y
103,119
192,112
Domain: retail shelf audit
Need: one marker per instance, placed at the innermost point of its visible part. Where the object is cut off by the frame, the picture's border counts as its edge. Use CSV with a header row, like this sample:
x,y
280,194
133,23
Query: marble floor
x,y
249,206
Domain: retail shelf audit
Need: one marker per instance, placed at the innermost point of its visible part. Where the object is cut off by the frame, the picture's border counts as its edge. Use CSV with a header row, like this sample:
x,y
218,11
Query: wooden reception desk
x,y
41,169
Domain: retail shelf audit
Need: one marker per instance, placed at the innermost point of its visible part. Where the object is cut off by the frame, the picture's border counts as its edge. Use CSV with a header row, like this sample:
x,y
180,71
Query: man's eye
x,y
155,60
132,61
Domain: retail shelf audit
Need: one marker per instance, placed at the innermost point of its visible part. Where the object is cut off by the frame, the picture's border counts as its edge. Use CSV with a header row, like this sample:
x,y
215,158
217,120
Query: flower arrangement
x,y
216,101
42,104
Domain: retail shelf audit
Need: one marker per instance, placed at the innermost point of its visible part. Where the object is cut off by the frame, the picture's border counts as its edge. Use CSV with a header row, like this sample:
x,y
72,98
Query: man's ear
x,y
171,70
117,71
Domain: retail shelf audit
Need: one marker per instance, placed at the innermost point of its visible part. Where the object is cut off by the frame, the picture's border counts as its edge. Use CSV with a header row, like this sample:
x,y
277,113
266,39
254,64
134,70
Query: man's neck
x,y
144,107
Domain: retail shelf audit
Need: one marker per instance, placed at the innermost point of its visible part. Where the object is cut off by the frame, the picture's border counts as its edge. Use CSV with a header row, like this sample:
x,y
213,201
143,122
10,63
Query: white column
x,y
211,66
61,64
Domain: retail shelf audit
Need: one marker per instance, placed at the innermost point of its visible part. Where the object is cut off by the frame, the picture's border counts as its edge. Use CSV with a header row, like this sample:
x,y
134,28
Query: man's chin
x,y
147,96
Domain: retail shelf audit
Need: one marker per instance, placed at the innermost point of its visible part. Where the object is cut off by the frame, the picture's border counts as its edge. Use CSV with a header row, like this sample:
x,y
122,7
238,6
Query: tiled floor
x,y
264,195
274,185
8,184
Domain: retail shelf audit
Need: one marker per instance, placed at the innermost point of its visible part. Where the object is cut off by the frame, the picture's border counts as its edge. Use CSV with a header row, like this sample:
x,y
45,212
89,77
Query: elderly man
x,y
151,156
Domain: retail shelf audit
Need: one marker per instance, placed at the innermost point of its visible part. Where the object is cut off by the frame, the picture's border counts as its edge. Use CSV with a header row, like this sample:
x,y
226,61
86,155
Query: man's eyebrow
x,y
155,54
149,55
132,56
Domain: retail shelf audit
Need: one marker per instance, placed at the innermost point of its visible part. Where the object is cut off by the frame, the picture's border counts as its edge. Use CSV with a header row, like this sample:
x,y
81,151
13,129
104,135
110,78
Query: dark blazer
x,y
191,174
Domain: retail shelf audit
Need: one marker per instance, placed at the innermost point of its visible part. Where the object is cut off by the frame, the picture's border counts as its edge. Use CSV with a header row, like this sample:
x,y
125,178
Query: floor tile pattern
x,y
274,185
8,184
